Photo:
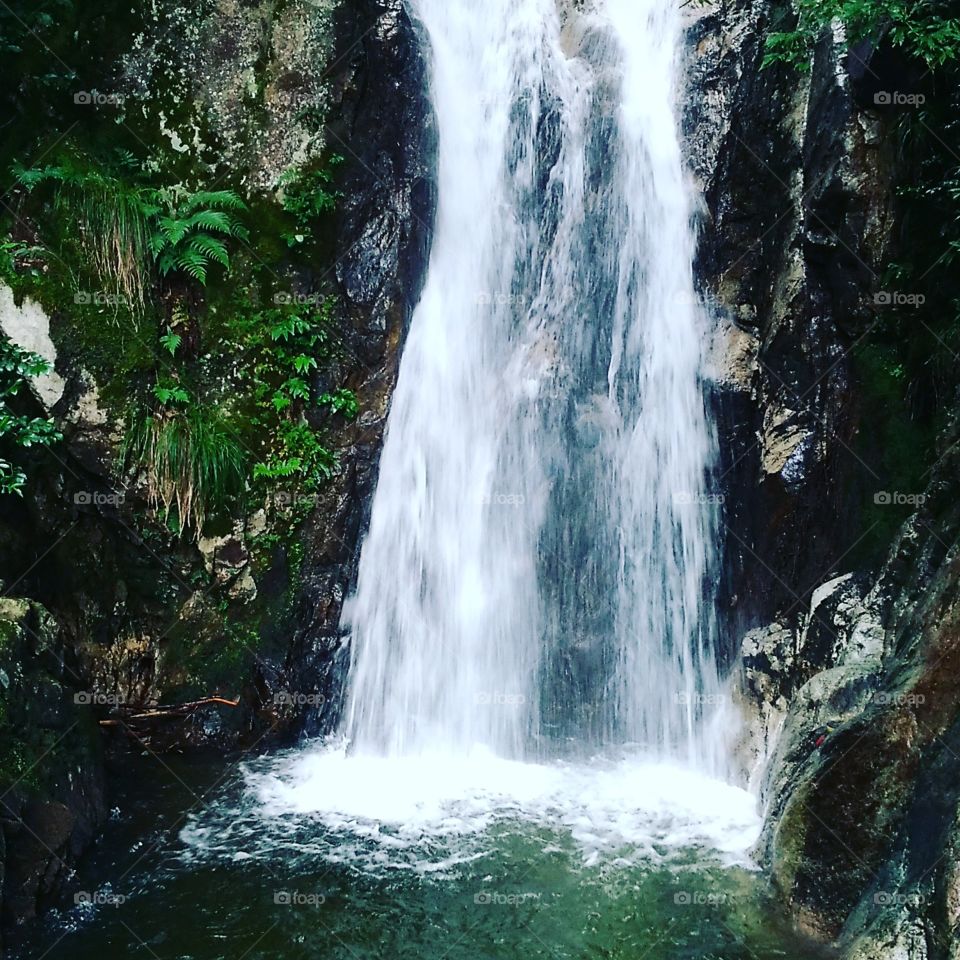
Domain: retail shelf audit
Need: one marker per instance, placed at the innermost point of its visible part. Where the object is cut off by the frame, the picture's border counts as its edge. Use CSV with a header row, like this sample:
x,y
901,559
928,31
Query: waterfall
x,y
540,563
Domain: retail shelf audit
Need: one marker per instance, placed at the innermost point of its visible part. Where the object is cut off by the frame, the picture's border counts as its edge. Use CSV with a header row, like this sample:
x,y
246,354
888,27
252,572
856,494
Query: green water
x,y
528,894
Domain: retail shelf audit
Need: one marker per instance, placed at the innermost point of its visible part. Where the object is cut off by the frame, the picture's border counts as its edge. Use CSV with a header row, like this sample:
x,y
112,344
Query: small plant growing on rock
x,y
17,368
191,458
188,235
129,228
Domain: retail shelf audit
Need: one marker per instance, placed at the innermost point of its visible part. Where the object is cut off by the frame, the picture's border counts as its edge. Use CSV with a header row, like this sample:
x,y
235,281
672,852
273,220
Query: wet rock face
x,y
854,705
847,682
51,773
795,195
383,125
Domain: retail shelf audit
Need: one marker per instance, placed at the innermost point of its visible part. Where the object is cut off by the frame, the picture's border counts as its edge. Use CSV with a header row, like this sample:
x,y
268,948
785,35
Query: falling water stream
x,y
539,556
531,760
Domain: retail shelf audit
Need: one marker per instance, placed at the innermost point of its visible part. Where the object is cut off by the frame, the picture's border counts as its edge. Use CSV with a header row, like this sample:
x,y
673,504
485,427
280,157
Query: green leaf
x,y
173,230
225,199
192,263
297,388
304,363
211,220
171,341
211,248
170,394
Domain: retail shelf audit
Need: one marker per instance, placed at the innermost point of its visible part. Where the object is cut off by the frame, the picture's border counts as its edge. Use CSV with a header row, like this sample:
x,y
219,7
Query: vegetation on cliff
x,y
193,299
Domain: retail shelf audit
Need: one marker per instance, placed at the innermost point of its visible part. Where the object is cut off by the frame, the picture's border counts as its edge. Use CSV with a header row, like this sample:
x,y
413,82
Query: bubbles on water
x,y
432,813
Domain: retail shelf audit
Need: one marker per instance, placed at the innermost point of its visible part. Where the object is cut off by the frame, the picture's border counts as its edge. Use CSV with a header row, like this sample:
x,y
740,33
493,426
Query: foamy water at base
x,y
431,812
317,856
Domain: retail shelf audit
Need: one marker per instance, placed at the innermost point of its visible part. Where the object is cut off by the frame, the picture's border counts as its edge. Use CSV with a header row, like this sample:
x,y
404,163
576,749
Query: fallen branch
x,y
175,710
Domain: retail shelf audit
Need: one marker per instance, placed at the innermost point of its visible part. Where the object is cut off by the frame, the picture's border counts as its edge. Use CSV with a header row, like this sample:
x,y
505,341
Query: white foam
x,y
431,812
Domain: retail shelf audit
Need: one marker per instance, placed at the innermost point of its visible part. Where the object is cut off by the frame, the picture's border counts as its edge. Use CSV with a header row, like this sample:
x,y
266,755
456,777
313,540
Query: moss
x,y
897,446
222,363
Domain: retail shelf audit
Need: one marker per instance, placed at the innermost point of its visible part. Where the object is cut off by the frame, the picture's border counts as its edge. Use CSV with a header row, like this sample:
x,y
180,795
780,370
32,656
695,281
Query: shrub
x,y
17,367
192,460
920,27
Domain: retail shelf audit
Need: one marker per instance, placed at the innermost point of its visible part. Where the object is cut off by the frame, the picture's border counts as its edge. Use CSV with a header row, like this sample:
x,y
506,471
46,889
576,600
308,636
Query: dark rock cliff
x,y
385,128
795,221
846,658
112,616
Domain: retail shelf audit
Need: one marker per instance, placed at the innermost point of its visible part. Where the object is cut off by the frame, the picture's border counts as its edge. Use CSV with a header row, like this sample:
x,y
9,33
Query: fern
x,y
124,226
184,238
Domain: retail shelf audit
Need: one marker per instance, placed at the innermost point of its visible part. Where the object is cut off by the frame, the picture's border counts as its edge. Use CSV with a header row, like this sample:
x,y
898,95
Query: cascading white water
x,y
536,581
540,554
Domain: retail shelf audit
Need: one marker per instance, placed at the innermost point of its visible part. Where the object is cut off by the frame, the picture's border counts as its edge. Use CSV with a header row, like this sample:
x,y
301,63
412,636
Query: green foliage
x,y
188,234
171,341
170,393
112,216
17,368
923,28
126,226
191,458
285,344
307,195
298,454
341,401
264,366
15,255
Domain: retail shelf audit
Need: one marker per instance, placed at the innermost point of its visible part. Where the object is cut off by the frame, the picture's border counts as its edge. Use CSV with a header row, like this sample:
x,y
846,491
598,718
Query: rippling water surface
x,y
333,858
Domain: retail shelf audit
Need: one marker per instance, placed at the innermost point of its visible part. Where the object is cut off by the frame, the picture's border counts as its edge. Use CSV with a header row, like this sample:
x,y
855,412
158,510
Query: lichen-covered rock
x,y
239,86
862,789
28,326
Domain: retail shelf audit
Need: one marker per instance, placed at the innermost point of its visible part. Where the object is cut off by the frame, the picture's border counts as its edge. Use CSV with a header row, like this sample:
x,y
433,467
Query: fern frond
x,y
193,264
210,247
215,220
173,230
222,199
